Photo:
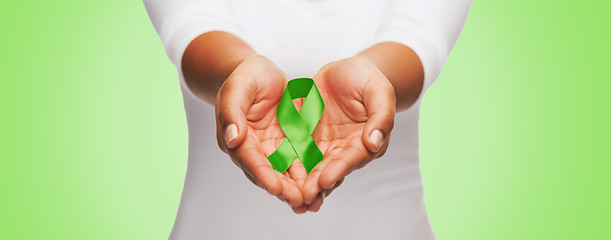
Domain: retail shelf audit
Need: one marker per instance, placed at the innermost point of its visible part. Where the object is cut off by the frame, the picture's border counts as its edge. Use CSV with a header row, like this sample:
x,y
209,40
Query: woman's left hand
x,y
354,128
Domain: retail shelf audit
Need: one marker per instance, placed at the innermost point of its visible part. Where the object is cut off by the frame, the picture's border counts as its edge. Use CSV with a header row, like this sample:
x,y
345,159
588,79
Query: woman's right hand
x,y
248,130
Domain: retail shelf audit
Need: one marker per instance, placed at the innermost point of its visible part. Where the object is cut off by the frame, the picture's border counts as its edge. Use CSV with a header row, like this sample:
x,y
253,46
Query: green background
x,y
514,134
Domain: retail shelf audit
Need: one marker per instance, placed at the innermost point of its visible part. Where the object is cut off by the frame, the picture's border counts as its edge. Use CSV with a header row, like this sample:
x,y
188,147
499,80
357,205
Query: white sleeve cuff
x,y
191,20
428,53
430,28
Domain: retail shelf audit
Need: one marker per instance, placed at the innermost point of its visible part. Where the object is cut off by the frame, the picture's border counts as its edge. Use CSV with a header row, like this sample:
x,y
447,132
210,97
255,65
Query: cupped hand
x,y
355,126
248,129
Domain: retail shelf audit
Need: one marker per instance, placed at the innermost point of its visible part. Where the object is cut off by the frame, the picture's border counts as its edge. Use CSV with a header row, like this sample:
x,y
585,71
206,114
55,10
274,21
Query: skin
x,y
361,96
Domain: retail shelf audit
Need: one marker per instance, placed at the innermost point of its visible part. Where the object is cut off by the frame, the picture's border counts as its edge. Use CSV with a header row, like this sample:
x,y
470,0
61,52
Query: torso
x,y
384,200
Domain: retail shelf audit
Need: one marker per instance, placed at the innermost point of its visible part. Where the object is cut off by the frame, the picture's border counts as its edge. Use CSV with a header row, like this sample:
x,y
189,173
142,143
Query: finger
x,y
343,164
255,164
290,192
288,176
327,192
311,187
382,151
236,96
316,204
379,101
251,179
301,209
298,173
268,180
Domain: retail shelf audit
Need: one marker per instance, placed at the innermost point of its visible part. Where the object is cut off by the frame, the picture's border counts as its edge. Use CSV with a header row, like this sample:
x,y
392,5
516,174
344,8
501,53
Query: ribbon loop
x,y
298,126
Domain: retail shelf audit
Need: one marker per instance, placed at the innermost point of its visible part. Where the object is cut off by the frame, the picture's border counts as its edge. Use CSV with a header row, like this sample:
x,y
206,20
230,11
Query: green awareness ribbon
x,y
298,126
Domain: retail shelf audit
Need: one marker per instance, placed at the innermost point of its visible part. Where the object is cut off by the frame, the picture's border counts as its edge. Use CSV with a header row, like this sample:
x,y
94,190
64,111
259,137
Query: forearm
x,y
402,67
209,60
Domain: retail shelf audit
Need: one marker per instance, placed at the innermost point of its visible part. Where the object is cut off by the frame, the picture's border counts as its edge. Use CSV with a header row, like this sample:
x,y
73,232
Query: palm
x,y
338,132
264,133
263,84
340,127
343,120
358,100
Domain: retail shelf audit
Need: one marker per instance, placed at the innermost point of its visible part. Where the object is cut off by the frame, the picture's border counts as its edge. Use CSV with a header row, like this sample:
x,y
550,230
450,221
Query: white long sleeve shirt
x,y
381,201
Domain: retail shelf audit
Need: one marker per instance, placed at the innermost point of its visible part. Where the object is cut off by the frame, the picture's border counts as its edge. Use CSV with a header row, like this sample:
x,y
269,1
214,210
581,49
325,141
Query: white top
x,y
384,200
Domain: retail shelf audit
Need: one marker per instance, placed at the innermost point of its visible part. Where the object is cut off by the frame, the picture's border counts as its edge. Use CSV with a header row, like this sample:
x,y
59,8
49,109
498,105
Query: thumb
x,y
380,103
234,99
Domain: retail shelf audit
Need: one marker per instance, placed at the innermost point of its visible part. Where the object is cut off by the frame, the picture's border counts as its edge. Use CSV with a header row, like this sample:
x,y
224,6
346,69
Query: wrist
x,y
402,67
371,64
209,59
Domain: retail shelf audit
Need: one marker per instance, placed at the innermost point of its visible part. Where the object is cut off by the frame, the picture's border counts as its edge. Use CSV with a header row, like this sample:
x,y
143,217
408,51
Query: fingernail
x,y
376,137
231,132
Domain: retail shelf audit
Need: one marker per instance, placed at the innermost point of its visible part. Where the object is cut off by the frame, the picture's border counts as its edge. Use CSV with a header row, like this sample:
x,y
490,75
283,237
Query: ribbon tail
x,y
283,157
